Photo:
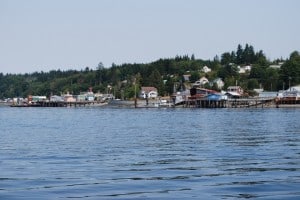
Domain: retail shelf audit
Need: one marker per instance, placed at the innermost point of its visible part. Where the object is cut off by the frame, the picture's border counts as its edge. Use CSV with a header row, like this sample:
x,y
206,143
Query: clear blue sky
x,y
44,35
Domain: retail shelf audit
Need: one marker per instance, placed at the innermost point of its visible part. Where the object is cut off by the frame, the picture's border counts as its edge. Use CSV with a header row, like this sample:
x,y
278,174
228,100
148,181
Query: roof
x,y
203,79
214,97
148,89
234,87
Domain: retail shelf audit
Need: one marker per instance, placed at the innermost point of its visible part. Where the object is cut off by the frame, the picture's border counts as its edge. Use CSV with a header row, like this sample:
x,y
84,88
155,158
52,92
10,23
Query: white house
x,y
202,81
234,91
56,98
244,69
275,66
206,69
148,92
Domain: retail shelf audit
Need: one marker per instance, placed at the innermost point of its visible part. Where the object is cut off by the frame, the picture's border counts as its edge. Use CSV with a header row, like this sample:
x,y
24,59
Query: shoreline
x,y
151,104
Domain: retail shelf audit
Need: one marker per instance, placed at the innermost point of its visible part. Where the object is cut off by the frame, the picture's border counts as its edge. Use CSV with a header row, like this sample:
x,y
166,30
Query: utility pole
x,y
290,82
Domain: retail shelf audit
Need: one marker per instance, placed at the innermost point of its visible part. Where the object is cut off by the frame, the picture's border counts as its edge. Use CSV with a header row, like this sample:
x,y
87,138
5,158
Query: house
x,y
244,69
86,96
36,98
202,81
90,96
201,92
206,69
56,98
186,77
148,92
69,98
275,66
234,91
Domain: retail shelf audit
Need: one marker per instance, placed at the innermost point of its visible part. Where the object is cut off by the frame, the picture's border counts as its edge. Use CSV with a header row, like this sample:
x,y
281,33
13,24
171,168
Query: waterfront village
x,y
241,78
195,96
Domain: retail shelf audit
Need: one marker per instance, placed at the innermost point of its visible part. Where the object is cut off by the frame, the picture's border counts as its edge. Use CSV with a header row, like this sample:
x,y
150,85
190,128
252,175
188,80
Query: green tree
x,y
194,76
156,81
229,70
239,55
248,55
290,70
261,59
226,58
252,84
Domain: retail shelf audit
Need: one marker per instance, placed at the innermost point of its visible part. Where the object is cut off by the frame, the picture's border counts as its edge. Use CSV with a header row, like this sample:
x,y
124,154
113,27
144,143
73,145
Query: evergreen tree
x,y
193,57
226,58
248,55
239,55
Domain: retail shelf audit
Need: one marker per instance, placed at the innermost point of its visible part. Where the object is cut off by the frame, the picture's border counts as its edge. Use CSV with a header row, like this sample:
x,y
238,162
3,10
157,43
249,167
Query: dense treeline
x,y
164,74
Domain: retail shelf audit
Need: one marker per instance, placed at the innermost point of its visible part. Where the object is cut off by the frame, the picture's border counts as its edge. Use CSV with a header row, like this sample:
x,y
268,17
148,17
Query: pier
x,y
191,102
287,102
205,103
59,104
251,102
229,103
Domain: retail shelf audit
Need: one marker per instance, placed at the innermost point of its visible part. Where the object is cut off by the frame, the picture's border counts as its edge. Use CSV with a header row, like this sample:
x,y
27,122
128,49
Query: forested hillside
x,y
162,74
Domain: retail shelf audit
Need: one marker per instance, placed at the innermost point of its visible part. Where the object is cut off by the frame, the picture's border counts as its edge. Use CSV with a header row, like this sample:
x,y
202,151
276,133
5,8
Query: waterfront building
x,y
56,98
235,91
148,92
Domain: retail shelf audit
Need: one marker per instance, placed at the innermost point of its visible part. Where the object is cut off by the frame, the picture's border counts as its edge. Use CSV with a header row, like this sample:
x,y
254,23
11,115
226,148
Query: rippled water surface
x,y
103,153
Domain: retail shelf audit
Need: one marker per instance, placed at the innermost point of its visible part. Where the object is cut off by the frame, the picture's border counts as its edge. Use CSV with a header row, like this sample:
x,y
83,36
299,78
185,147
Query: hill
x,y
163,74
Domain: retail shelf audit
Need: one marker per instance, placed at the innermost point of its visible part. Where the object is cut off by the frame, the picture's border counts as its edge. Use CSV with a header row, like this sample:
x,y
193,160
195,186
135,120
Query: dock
x,y
230,103
191,102
60,104
205,103
287,102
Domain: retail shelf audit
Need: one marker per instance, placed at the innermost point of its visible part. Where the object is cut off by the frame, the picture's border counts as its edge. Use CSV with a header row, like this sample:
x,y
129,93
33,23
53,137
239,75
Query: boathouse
x,y
205,98
234,92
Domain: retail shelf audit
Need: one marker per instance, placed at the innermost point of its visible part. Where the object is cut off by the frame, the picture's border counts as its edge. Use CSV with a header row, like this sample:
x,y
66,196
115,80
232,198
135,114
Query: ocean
x,y
155,153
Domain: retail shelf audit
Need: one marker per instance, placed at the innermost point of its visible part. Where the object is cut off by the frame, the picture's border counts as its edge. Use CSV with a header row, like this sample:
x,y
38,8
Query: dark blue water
x,y
102,153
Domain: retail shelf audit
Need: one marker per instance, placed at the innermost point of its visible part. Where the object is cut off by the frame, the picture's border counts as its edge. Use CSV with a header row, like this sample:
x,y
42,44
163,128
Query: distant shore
x,y
154,104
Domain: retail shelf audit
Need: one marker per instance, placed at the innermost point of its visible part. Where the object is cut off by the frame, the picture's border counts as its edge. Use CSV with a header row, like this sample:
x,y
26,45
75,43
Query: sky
x,y
44,35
